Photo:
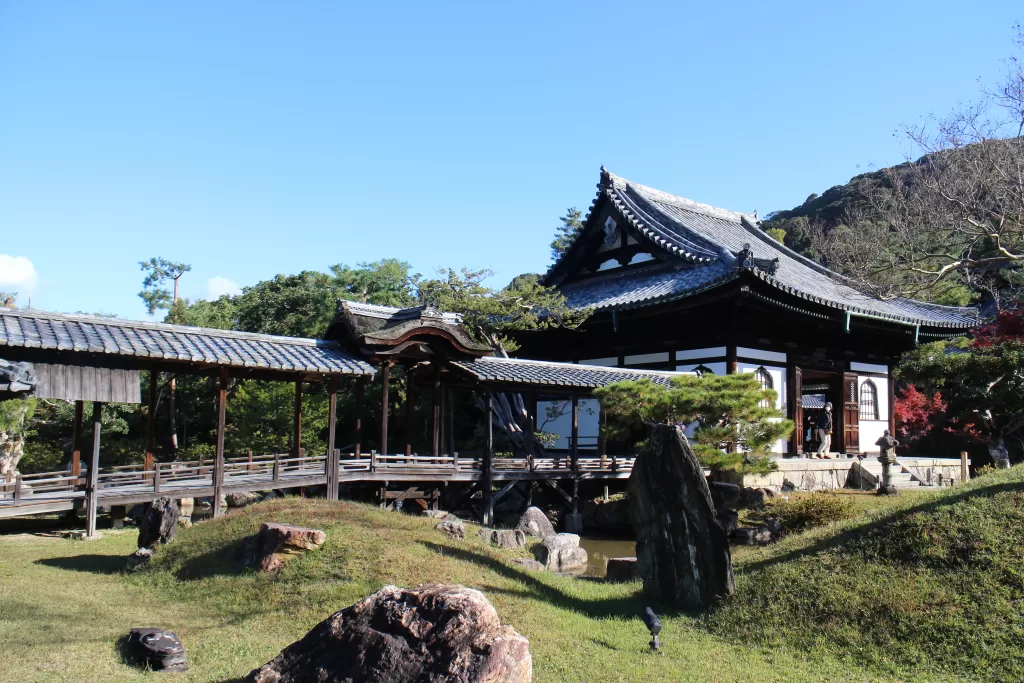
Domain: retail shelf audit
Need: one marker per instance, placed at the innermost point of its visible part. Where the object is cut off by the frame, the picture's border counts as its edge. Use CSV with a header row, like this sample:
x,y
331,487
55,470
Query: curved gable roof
x,y
705,242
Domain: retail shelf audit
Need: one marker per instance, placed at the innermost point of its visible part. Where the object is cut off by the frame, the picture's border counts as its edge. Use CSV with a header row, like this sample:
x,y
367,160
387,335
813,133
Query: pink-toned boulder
x,y
431,633
269,549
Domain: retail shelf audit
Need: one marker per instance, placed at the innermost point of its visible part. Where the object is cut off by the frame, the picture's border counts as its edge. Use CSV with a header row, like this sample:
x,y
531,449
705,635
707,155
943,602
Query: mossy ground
x,y
64,604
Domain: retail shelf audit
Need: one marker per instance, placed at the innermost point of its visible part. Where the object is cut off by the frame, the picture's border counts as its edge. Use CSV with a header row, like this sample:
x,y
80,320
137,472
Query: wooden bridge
x,y
49,492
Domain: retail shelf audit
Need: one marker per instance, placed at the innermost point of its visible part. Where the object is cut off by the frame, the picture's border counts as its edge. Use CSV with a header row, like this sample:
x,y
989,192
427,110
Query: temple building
x,y
681,286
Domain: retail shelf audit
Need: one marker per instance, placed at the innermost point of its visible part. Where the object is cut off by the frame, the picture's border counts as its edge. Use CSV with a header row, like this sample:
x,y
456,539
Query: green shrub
x,y
809,512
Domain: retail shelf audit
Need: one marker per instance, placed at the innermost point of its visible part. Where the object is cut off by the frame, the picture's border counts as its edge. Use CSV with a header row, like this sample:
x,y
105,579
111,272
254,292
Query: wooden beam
x,y
360,409
76,440
575,454
488,475
504,490
553,483
332,428
92,487
151,420
410,408
218,465
385,376
437,402
297,435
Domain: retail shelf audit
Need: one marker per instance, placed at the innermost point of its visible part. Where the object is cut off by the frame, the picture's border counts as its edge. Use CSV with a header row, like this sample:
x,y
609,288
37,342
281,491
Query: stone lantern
x,y
886,447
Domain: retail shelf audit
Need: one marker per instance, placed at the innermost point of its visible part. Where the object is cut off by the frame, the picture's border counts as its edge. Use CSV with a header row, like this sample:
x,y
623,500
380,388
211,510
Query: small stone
x,y
452,526
622,570
157,649
140,558
268,550
435,514
241,499
561,553
504,538
528,564
535,523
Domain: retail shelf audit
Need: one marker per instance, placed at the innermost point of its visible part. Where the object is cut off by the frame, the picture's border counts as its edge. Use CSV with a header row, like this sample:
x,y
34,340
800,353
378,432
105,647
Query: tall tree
x,y
300,305
387,282
566,233
160,271
953,218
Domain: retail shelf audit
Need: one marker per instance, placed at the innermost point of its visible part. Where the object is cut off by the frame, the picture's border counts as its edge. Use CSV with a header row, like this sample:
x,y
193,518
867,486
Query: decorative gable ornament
x,y
609,231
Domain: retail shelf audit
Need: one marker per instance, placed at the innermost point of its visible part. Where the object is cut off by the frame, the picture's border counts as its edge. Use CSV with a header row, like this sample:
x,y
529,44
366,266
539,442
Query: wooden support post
x,y
410,408
531,427
731,364
277,467
150,420
965,474
575,454
449,404
373,461
156,479
92,488
249,466
602,438
360,408
488,475
438,398
331,466
892,401
297,432
385,376
218,465
17,489
76,442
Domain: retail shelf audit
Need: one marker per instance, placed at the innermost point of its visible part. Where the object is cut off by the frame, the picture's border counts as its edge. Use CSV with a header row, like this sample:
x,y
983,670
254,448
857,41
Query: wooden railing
x,y
280,468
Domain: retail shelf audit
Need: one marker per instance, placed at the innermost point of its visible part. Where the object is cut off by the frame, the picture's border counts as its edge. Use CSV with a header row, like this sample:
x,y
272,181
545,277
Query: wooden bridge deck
x,y
49,492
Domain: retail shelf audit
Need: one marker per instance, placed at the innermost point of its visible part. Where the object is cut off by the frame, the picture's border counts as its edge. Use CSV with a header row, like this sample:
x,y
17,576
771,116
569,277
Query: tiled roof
x,y
373,325
705,241
38,329
539,373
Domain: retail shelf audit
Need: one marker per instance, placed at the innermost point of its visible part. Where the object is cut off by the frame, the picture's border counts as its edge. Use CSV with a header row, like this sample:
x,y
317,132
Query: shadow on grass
x,y
94,564
631,606
225,560
887,519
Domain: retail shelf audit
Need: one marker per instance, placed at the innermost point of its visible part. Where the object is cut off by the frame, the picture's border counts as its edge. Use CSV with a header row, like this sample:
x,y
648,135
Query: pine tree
x,y
566,233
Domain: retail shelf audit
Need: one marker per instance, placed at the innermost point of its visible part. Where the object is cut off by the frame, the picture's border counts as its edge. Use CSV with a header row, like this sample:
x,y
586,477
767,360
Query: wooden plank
x,y
56,377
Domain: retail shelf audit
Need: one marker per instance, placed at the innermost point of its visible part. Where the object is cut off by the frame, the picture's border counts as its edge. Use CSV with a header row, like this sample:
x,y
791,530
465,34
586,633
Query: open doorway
x,y
839,389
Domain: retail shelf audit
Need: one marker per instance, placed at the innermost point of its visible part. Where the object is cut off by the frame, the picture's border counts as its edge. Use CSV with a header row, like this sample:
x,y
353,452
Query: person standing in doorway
x,y
825,432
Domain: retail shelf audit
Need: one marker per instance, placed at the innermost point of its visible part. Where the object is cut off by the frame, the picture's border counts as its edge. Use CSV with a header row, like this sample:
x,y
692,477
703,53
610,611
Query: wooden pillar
x,y
602,437
332,428
385,376
297,436
76,440
91,491
575,454
892,401
449,403
154,376
488,475
360,409
410,408
731,364
437,401
794,407
218,464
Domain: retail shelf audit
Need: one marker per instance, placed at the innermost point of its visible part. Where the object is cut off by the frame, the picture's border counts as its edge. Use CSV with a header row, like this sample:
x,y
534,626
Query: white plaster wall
x,y
871,430
778,375
562,426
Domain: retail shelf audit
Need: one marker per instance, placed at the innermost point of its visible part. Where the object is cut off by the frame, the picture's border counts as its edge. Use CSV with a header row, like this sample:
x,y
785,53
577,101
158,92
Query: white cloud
x,y
218,286
17,274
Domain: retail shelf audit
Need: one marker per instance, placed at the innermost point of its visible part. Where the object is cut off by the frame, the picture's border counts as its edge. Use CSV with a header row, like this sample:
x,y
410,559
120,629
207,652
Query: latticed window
x,y
765,378
868,401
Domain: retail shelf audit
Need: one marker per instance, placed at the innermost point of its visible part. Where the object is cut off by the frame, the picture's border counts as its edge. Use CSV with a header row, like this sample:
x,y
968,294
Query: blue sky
x,y
254,138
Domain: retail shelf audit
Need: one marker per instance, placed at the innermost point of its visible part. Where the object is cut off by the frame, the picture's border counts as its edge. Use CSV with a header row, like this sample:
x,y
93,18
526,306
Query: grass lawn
x,y
64,604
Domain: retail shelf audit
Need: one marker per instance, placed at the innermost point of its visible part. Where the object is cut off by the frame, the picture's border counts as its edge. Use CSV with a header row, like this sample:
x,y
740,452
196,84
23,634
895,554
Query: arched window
x,y
868,401
765,378
702,370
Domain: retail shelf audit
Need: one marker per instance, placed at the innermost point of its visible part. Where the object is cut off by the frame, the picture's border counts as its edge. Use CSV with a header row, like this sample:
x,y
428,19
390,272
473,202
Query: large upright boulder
x,y
682,551
431,633
561,553
159,523
535,523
